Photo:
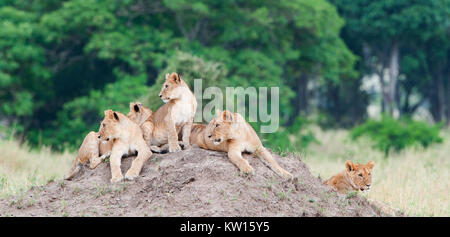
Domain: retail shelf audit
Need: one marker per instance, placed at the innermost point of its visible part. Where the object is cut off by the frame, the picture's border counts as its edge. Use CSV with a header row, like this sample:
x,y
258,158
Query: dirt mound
x,y
194,182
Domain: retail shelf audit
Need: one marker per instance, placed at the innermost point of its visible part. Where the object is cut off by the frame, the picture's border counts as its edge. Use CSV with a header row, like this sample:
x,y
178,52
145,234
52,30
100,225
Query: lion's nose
x,y
218,140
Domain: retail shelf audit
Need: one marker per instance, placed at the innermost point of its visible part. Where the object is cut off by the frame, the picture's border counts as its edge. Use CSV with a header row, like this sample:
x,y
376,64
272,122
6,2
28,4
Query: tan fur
x,y
176,116
92,151
127,138
355,177
229,132
143,116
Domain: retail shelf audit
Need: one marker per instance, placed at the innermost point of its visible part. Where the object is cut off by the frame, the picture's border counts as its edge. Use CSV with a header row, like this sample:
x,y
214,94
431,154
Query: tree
x,y
384,33
91,55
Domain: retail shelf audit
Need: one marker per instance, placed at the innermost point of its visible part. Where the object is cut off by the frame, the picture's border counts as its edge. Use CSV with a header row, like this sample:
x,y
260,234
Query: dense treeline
x,y
63,62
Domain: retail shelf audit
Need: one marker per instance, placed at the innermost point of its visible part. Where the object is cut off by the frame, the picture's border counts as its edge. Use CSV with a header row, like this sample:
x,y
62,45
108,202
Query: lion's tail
x,y
265,154
74,170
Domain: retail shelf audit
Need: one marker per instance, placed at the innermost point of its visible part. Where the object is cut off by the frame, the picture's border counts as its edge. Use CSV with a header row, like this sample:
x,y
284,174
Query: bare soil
x,y
193,182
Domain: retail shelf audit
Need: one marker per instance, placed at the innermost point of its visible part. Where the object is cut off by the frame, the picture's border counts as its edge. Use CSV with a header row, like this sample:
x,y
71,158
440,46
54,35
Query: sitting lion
x,y
127,138
355,177
92,150
230,132
174,117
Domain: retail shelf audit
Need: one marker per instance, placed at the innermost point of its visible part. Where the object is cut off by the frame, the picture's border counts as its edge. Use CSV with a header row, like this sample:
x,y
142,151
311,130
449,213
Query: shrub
x,y
390,134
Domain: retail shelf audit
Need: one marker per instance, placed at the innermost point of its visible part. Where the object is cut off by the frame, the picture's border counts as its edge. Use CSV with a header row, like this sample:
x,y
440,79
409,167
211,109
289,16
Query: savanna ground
x,y
415,181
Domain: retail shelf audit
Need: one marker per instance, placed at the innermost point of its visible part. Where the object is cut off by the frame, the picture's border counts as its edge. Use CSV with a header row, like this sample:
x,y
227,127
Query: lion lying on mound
x,y
355,177
230,132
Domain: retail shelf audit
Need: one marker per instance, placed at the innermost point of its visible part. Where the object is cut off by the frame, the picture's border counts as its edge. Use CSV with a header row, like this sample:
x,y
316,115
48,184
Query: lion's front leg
x,y
172,136
186,135
115,161
144,154
235,155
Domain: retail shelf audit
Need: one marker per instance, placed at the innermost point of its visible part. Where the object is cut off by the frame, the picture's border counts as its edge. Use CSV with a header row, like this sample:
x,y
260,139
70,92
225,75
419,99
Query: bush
x,y
390,134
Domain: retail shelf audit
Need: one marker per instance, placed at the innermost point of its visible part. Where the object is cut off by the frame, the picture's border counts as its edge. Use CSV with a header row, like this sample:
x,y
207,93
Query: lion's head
x,y
360,174
110,126
224,126
172,88
139,113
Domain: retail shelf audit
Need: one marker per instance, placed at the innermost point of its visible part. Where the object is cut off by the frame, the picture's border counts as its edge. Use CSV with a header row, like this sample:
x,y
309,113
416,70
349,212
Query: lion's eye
x,y
360,175
103,124
167,86
217,125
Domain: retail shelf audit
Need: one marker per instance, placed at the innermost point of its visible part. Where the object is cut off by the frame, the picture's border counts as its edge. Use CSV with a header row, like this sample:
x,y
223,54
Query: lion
x,y
229,132
92,151
355,177
127,138
174,117
143,116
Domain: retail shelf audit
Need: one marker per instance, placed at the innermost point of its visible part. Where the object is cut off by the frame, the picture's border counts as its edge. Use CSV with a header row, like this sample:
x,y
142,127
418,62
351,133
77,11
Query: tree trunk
x,y
440,99
301,100
302,93
447,101
393,78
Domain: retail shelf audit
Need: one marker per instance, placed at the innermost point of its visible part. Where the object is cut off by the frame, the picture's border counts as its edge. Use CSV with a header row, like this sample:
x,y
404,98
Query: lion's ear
x,y
227,116
370,164
349,166
116,116
175,78
108,113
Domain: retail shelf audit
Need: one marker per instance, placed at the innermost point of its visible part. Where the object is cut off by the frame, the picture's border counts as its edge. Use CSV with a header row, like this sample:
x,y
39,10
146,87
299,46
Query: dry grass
x,y
415,181
21,168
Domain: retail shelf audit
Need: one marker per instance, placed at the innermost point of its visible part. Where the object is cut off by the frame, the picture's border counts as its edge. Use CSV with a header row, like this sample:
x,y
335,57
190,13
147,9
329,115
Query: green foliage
x,y
390,134
22,72
63,62
84,113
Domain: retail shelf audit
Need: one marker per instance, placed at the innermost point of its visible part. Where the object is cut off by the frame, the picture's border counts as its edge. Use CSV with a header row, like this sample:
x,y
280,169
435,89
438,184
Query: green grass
x,y
416,181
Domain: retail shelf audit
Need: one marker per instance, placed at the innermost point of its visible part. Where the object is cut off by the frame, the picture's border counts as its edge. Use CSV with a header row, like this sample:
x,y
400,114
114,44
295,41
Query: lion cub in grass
x,y
355,177
127,138
230,132
175,116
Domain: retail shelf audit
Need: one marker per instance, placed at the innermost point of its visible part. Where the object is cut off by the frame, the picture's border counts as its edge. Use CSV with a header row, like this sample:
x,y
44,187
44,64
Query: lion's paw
x,y
175,148
116,179
130,176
